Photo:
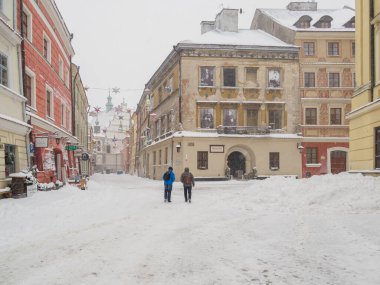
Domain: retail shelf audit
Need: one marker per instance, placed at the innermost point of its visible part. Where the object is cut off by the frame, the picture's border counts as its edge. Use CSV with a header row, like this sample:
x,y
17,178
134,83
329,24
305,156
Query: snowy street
x,y
322,230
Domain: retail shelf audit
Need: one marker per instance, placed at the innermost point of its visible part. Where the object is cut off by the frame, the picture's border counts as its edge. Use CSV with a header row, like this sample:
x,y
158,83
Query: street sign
x,y
71,147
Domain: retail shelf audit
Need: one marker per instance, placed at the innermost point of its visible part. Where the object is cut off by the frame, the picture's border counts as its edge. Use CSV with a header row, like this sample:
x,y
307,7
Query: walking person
x,y
187,179
168,178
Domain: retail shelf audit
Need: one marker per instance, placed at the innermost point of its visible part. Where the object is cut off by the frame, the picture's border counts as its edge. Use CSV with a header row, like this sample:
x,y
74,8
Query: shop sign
x,y
71,147
217,148
41,142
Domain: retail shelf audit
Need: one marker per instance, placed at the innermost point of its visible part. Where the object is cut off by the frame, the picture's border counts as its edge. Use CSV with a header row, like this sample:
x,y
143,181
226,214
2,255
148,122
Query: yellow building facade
x,y
365,115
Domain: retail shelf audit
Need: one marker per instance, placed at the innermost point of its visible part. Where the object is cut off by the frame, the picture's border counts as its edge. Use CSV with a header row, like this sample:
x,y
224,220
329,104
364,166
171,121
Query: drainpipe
x,y
21,67
372,46
180,85
73,97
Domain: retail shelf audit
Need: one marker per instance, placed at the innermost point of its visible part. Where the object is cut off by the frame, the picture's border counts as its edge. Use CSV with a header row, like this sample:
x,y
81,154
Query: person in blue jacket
x,y
168,178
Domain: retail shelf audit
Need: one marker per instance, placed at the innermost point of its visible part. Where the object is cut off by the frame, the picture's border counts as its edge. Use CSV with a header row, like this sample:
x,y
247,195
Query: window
x,y
67,78
333,49
334,79
207,118
353,49
252,117
49,102
60,67
24,23
311,116
160,94
309,79
3,70
324,22
47,48
229,77
166,156
335,116
10,159
275,119
229,117
108,148
377,148
28,89
274,78
160,157
154,158
308,48
1,5
251,76
202,159
274,160
311,155
207,76
63,115
354,79
303,22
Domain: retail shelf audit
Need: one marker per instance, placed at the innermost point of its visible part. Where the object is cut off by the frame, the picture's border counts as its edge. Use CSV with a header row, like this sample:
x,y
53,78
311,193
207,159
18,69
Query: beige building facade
x,y
226,103
13,129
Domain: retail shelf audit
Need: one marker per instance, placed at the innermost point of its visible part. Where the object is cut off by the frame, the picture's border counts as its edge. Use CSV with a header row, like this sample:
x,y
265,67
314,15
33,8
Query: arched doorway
x,y
236,163
338,161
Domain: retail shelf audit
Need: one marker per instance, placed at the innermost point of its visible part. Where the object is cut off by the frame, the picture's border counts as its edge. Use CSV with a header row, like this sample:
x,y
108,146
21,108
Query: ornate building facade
x,y
223,104
326,78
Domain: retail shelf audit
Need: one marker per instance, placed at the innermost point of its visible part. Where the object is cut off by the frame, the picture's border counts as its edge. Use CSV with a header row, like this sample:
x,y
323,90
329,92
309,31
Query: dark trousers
x,y
187,192
168,191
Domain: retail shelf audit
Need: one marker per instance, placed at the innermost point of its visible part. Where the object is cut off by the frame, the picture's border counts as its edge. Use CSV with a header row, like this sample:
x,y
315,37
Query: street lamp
x,y
300,147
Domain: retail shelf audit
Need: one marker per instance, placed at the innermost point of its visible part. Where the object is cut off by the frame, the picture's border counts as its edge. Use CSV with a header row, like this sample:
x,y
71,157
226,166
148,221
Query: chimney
x,y
302,6
227,20
207,26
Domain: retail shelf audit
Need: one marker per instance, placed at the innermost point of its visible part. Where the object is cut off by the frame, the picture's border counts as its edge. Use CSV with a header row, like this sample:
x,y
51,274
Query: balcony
x,y
244,130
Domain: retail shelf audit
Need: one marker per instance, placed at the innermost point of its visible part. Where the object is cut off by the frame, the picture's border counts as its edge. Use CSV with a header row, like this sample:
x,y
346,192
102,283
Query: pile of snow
x,y
322,230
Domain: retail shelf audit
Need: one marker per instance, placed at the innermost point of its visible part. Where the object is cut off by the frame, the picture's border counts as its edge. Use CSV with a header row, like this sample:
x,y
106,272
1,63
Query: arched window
x,y
324,22
350,23
303,22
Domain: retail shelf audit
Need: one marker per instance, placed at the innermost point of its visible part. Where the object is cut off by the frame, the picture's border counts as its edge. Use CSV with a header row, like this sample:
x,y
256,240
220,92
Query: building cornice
x,y
12,94
9,33
364,109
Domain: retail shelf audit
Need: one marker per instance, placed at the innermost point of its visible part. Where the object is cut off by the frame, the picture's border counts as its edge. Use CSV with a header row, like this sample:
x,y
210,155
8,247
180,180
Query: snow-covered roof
x,y
243,37
288,18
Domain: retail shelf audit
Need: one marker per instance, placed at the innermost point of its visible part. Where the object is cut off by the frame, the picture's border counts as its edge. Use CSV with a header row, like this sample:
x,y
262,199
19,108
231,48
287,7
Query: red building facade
x,y
46,55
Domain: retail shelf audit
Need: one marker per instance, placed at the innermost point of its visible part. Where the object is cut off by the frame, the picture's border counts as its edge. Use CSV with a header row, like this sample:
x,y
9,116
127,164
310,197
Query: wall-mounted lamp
x,y
178,147
300,147
57,140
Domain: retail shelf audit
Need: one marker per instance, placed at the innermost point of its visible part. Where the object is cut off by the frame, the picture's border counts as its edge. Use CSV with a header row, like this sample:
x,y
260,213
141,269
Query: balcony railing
x,y
244,130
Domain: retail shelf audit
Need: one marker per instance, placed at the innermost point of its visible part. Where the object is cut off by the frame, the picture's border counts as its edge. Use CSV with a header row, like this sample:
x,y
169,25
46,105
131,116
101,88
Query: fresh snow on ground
x,y
322,230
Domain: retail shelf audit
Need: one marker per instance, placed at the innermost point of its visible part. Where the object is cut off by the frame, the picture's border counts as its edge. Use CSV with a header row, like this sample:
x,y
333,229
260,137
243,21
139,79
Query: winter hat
x,y
170,168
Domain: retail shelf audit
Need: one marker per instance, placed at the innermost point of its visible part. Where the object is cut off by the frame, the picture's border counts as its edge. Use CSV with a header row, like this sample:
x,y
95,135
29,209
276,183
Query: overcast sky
x,y
123,42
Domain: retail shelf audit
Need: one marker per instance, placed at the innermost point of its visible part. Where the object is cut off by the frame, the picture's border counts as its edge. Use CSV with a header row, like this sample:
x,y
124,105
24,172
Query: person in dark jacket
x,y
187,179
168,178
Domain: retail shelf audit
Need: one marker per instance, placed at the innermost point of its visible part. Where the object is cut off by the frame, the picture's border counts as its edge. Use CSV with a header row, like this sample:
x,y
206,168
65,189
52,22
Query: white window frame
x,y
63,114
32,75
45,36
30,23
48,88
60,67
69,119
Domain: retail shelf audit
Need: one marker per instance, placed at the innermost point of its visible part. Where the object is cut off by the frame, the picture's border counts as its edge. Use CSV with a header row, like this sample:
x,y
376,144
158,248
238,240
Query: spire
x,y
109,104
